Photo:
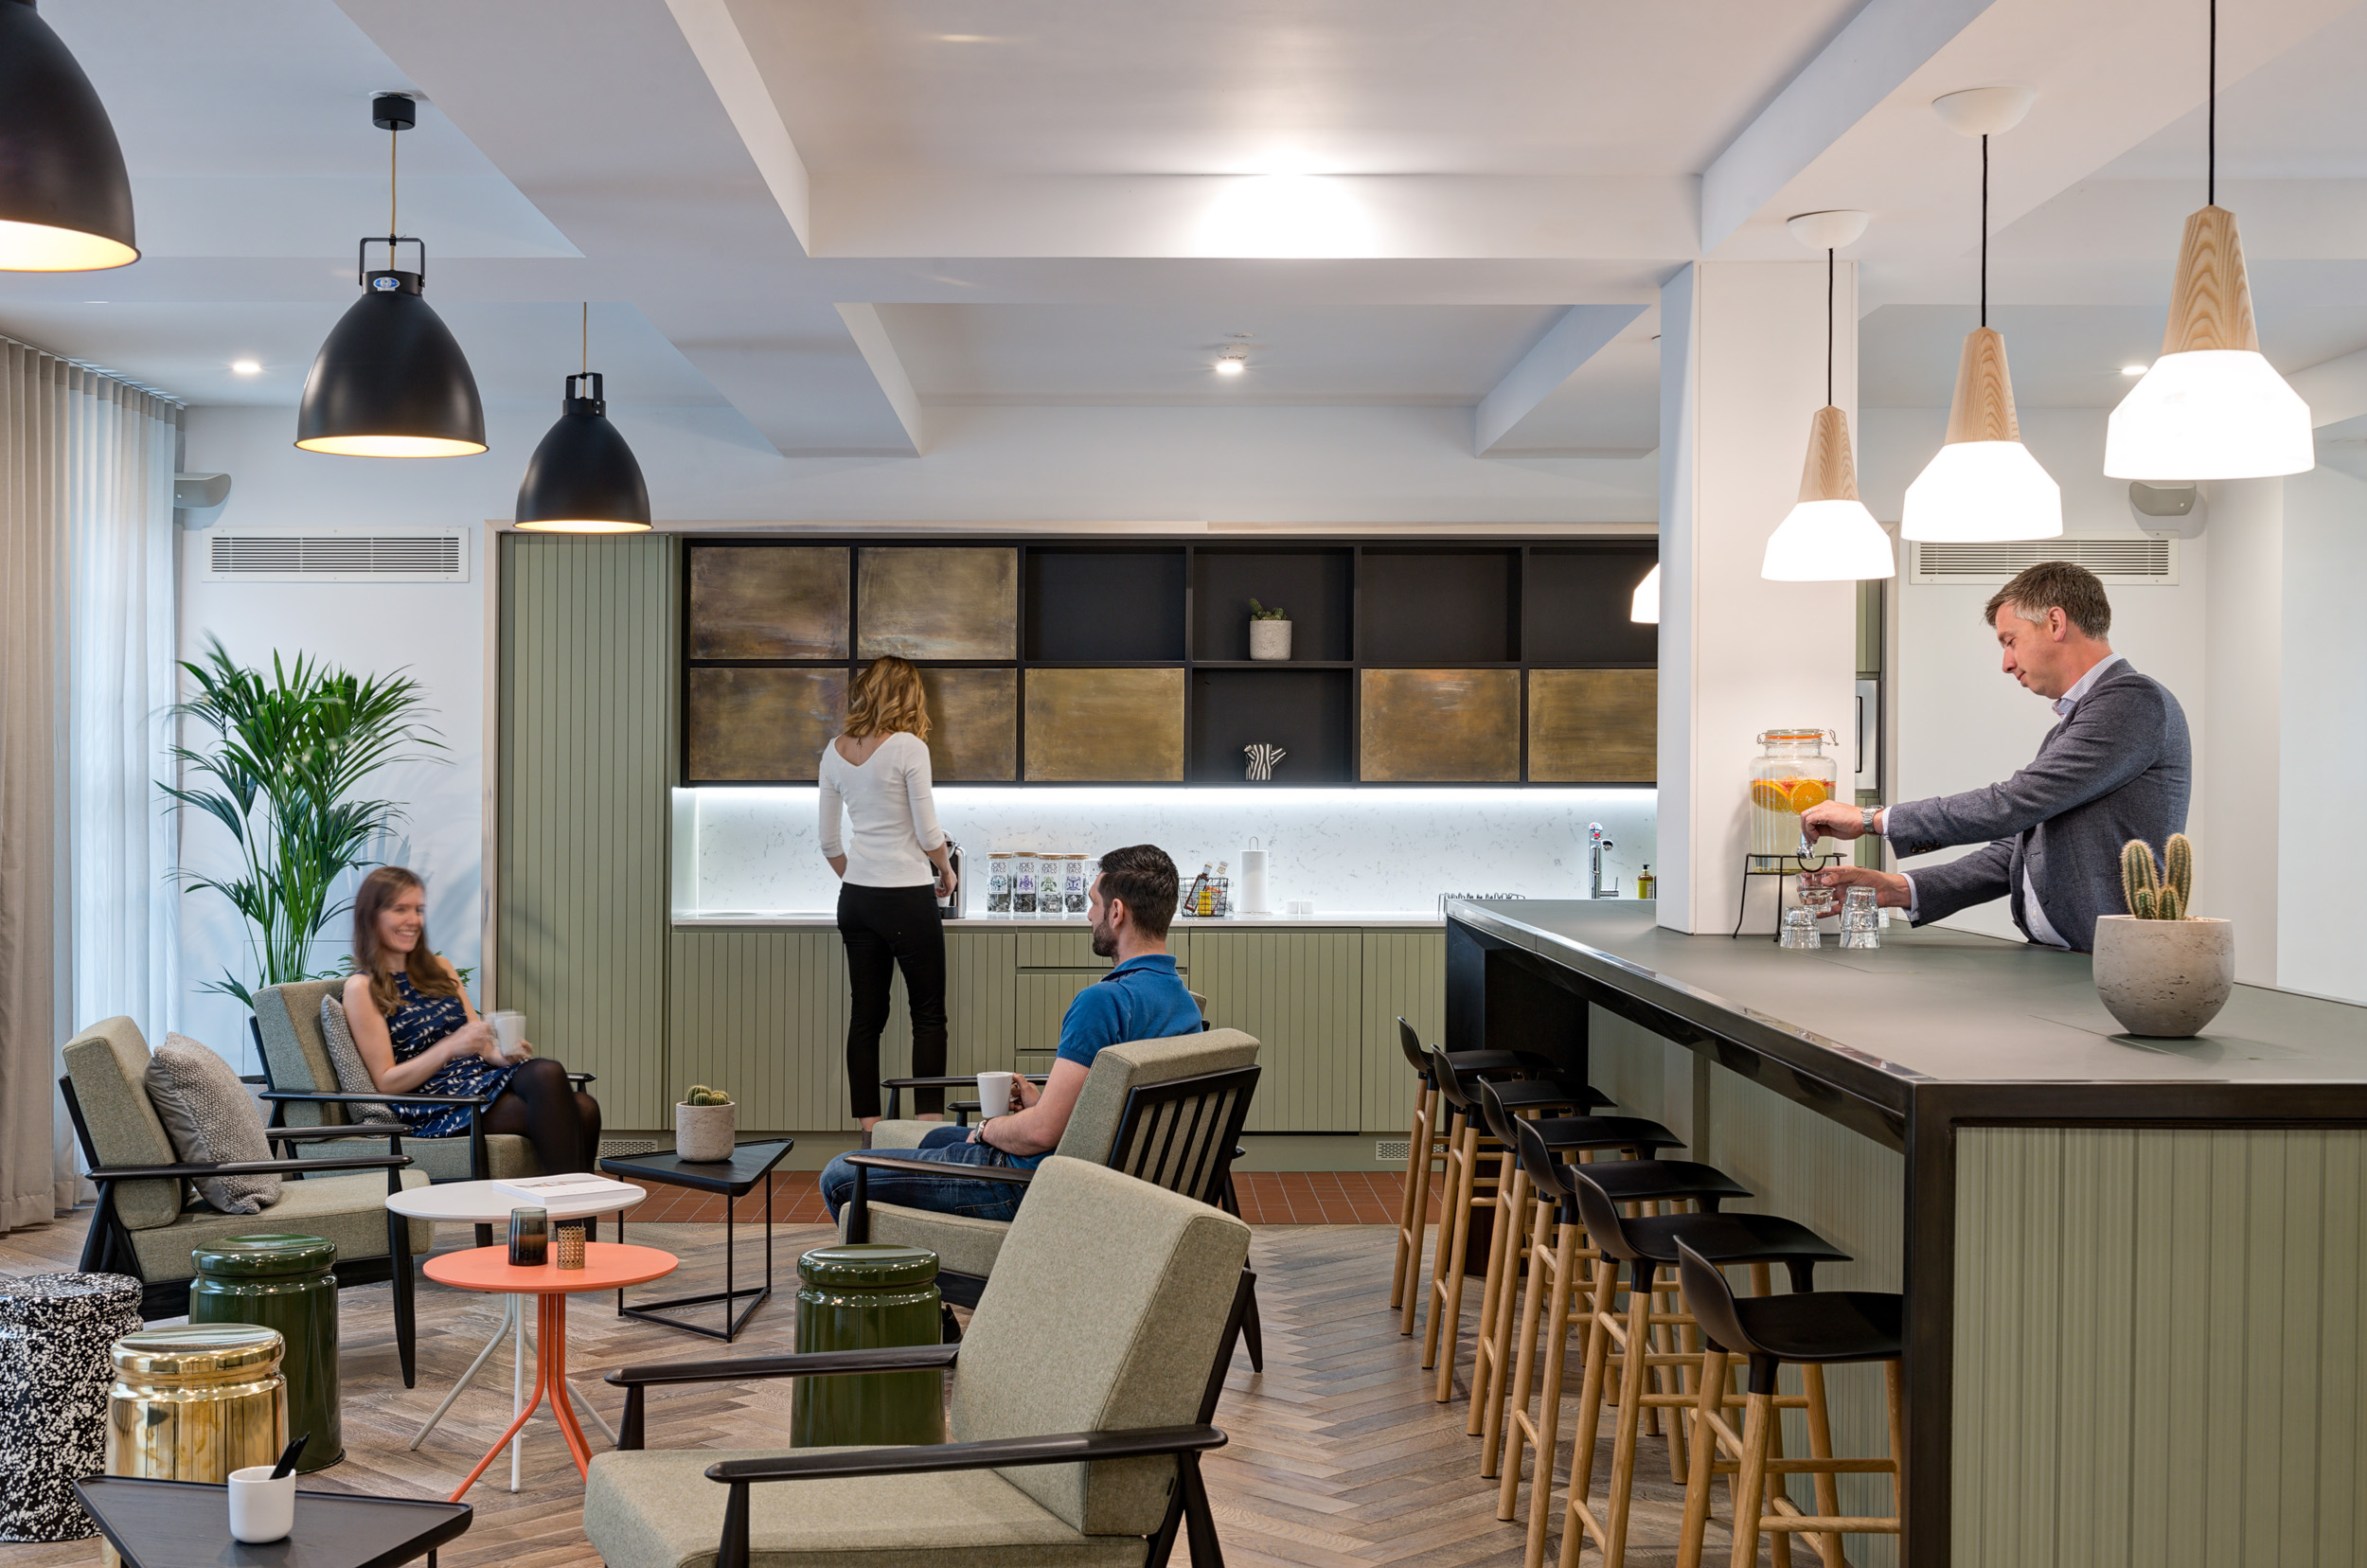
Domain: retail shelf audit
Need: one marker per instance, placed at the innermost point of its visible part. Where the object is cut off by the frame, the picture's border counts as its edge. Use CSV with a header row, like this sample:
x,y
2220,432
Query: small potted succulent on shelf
x,y
1269,632
705,1125
2161,969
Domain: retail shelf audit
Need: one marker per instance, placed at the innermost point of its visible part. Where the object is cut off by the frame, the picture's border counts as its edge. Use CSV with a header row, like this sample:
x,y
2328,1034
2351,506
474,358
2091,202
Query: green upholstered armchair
x,y
148,1218
1081,1399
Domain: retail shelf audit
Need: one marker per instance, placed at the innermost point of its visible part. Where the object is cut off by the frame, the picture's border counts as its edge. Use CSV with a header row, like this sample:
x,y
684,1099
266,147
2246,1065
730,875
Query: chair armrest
x,y
249,1168
942,1167
813,1364
378,1098
580,1079
1066,1447
321,1135
967,1080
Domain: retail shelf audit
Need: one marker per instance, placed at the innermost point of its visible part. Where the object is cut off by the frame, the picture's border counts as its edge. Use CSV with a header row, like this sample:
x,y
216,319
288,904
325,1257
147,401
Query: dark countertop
x,y
1930,1008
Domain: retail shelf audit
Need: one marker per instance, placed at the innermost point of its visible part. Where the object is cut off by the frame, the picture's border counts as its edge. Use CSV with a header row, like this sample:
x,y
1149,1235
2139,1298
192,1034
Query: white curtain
x,y
87,643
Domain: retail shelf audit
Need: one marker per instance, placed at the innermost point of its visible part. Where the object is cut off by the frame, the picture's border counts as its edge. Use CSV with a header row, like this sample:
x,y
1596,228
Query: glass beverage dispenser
x,y
1791,775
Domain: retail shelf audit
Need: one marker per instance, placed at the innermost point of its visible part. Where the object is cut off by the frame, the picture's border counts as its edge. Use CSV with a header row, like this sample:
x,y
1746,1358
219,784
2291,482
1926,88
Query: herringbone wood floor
x,y
1339,1455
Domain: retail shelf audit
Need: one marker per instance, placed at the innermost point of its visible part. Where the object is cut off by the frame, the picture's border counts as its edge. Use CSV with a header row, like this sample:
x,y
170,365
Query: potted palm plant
x,y
2161,969
290,753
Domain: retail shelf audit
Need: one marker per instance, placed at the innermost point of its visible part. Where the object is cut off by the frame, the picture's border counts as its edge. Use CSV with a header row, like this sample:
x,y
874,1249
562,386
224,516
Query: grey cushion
x,y
294,1055
211,1119
354,1074
1103,1315
349,1209
964,1243
108,1063
647,1508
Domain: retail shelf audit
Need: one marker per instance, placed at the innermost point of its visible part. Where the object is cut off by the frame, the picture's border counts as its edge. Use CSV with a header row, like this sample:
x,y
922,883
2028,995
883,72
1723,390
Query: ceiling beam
x,y
1578,336
1869,59
2335,391
887,367
723,55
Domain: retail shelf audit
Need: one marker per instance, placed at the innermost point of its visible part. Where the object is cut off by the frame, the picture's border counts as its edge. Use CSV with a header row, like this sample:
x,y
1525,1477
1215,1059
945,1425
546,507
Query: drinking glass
x,y
1799,930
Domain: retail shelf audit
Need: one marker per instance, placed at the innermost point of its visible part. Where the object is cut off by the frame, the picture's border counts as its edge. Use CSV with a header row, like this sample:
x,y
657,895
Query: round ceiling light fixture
x,y
2212,406
1983,485
246,367
65,201
389,380
583,477
1829,536
1232,362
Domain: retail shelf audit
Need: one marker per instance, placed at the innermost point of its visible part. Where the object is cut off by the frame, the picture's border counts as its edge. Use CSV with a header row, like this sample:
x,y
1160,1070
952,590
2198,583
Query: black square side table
x,y
735,1179
187,1525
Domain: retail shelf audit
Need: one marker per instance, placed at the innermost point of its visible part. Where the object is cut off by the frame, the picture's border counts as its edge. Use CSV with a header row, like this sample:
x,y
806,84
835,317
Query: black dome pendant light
x,y
65,202
389,382
584,478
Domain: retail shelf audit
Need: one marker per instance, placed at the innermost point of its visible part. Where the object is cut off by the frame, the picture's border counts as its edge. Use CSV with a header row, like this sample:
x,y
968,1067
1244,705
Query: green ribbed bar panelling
x,y
763,1013
1405,976
586,734
2158,1358
1300,992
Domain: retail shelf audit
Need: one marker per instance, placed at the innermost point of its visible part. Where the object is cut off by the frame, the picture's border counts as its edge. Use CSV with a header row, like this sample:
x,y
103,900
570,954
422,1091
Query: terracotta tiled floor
x,y
1268,1198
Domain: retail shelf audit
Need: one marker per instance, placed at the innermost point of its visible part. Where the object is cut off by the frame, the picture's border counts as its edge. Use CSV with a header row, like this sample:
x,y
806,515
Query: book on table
x,y
569,1188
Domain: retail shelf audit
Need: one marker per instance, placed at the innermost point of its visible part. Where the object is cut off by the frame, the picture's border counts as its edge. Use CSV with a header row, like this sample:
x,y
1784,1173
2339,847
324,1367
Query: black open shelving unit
x,y
1461,604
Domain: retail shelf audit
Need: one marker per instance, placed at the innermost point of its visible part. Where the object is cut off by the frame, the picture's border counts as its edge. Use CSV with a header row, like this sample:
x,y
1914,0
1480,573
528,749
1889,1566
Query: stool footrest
x,y
1829,1523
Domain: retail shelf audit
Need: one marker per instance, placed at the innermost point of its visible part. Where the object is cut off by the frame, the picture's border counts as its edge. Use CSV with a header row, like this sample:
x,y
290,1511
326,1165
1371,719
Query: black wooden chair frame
x,y
1188,1513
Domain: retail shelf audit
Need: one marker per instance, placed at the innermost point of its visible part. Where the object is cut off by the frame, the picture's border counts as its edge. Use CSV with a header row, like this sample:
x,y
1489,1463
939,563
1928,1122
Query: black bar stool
x,y
1816,1328
1646,1245
1556,1273
1427,1142
1503,1107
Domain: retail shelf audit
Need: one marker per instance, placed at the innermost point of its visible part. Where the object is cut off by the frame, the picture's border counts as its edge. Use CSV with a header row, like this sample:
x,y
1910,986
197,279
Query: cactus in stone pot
x,y
2157,891
706,1124
701,1095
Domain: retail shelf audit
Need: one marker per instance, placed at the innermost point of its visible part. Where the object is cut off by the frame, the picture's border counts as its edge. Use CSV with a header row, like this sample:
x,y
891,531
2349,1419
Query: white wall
x,y
1962,721
2322,931
2235,832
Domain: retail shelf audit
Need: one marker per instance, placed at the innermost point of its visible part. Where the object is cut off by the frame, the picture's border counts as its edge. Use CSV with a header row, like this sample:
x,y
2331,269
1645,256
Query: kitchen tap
x,y
1596,843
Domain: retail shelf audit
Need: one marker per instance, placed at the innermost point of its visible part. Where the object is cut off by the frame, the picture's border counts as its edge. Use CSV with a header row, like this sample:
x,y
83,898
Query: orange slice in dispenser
x,y
1773,794
1808,793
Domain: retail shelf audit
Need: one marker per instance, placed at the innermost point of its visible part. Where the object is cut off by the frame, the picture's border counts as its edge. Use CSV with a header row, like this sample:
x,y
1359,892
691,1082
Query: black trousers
x,y
884,928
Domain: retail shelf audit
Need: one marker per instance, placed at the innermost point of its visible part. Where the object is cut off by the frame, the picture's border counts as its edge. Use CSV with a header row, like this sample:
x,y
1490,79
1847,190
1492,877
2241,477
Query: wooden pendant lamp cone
x,y
1829,536
2211,407
1983,485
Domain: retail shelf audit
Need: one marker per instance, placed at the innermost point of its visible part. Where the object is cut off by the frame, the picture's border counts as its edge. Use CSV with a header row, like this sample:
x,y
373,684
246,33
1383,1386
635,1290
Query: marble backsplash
x,y
753,850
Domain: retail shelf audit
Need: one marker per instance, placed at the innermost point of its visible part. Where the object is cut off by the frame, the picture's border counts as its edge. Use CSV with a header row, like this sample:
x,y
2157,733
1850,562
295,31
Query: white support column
x,y
1742,373
2239,750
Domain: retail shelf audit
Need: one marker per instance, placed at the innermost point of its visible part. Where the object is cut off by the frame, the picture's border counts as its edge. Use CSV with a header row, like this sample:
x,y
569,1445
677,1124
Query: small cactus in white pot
x,y
2162,970
705,1125
1269,632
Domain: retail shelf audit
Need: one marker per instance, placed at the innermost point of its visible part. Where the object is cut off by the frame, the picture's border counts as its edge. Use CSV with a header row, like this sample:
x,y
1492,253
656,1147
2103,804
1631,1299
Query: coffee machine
x,y
954,908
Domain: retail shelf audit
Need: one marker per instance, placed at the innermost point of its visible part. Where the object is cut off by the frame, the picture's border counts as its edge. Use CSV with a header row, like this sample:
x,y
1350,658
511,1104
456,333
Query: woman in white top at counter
x,y
891,871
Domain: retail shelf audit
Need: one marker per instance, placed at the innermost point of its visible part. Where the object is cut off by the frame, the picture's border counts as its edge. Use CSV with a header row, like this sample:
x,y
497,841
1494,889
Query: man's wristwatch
x,y
1867,814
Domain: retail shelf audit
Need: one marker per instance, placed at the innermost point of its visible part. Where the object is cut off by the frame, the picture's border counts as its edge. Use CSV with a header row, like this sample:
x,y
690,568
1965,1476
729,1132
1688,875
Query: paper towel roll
x,y
1253,881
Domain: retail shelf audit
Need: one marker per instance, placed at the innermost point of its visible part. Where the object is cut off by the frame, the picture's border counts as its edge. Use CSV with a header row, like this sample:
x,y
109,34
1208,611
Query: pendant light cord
x,y
2211,118
394,140
587,337
1984,227
1828,325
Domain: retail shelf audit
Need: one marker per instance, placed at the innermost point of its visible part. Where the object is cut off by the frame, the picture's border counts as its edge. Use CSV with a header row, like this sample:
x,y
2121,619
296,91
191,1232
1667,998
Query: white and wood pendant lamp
x,y
2211,407
1829,536
1983,485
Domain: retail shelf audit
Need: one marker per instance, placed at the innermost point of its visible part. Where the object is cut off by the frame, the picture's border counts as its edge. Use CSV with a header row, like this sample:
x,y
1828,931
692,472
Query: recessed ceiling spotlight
x,y
1241,337
246,367
2135,370
968,38
1232,363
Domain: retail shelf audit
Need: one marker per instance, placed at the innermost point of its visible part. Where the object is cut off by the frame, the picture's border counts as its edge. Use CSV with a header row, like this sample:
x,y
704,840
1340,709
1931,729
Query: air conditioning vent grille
x,y
2124,559
337,555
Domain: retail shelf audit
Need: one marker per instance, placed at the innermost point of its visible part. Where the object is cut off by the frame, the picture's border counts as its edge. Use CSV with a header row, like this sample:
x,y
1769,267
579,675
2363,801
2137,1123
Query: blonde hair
x,y
885,699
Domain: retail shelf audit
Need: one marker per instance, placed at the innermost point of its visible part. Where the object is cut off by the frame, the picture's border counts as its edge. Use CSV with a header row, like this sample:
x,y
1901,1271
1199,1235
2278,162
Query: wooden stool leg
x,y
1449,1208
1495,1322
1778,1542
1446,1324
1493,1441
1639,1382
1895,1391
1751,1484
1820,1447
1698,1476
1414,1203
1590,1421
1548,1429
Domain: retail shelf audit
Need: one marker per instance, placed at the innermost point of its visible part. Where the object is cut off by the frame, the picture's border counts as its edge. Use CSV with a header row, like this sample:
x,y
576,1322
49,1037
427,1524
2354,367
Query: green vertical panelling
x,y
1300,993
586,726
2157,1347
1631,1064
1062,948
763,1013
1405,976
1039,998
978,1003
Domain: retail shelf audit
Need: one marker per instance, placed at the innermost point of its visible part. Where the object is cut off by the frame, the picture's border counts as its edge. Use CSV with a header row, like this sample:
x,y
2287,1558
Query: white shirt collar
x,y
2070,699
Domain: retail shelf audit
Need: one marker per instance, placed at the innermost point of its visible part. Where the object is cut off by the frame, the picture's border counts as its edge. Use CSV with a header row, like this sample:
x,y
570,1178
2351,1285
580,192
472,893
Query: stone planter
x,y
1269,639
2166,978
705,1132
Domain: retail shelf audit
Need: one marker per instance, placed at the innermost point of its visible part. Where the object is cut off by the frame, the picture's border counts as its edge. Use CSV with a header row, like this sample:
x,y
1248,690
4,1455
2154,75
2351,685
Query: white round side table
x,y
488,1204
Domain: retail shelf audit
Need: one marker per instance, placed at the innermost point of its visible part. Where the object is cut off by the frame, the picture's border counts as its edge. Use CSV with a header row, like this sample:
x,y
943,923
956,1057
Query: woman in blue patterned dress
x,y
419,1036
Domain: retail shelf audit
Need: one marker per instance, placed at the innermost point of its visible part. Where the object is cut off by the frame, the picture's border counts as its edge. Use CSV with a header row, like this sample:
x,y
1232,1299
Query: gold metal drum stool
x,y
195,1402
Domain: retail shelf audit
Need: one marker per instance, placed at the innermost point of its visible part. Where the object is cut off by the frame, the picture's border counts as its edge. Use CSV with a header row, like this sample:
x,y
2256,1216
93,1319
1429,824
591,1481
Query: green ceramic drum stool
x,y
283,1282
861,1297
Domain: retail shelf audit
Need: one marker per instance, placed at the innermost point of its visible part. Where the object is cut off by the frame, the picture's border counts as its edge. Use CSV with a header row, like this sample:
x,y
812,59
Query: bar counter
x,y
2133,1267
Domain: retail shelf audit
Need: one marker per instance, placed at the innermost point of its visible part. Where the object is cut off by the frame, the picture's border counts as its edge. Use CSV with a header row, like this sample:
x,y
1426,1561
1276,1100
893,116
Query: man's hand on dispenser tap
x,y
1834,820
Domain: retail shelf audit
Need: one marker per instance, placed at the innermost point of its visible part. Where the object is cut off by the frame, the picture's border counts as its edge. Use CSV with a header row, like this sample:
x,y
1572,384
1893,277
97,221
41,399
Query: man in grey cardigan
x,y
2119,766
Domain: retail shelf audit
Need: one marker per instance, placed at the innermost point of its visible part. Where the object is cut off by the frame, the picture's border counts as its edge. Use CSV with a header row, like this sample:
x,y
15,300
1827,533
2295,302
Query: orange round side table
x,y
607,1266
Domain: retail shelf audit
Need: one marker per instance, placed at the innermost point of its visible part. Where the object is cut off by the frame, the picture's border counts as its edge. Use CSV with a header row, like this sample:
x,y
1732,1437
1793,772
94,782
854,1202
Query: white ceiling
x,y
834,218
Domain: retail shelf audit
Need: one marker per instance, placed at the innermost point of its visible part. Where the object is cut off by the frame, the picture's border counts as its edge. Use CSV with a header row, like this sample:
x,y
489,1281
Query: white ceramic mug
x,y
261,1509
509,1028
994,1094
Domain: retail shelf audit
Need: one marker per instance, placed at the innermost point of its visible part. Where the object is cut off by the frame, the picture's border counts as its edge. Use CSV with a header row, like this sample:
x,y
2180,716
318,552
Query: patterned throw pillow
x,y
354,1074
212,1120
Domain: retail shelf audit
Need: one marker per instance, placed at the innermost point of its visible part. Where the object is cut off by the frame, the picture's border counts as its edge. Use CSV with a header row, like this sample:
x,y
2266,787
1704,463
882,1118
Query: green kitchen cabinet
x,y
980,997
1405,976
763,1014
1301,993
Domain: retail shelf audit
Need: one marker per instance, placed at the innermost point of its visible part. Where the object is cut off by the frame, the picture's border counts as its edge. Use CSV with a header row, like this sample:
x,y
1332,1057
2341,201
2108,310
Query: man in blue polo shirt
x,y
1140,998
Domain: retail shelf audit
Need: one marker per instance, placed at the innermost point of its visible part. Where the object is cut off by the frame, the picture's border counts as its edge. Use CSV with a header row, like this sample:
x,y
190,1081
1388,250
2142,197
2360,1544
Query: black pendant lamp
x,y
584,478
65,202
390,382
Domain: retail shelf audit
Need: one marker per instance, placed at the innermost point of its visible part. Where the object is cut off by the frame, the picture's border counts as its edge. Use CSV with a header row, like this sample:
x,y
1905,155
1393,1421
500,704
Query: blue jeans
x,y
946,1194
